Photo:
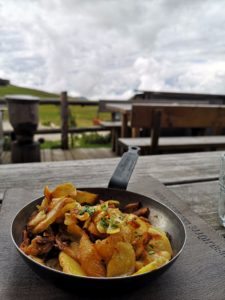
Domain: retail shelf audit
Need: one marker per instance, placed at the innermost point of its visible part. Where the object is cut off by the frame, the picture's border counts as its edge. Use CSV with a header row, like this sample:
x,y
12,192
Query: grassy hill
x,y
14,89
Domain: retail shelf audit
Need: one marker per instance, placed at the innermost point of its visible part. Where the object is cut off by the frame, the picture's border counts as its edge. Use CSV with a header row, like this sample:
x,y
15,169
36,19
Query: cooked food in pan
x,y
78,233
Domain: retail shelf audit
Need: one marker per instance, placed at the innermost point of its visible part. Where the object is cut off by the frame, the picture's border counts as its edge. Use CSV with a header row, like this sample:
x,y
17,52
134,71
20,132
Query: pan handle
x,y
122,174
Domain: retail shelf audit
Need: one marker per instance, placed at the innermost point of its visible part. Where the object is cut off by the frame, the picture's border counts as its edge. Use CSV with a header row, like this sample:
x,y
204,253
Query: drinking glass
x,y
221,204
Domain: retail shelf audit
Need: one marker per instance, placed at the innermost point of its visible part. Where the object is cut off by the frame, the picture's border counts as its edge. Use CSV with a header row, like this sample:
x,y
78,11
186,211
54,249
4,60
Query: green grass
x,y
51,145
18,90
92,140
82,116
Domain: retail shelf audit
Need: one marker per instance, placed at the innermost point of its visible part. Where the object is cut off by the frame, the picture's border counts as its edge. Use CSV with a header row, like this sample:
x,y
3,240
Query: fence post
x,y
64,121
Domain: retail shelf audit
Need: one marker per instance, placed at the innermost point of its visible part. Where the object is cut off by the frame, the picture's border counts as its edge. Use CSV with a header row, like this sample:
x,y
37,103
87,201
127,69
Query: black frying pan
x,y
160,216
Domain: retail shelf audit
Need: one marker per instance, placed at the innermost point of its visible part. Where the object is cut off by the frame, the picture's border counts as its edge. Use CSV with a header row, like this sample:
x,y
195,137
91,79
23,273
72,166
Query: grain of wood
x,y
173,142
58,155
68,155
43,156
169,169
6,157
47,155
202,198
179,115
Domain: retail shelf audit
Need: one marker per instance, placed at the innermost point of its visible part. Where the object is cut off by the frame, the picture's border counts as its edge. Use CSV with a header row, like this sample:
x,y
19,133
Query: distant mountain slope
x,y
13,89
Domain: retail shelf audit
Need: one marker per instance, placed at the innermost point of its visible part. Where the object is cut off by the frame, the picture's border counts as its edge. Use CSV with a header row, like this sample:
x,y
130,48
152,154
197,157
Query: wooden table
x,y
125,111
190,183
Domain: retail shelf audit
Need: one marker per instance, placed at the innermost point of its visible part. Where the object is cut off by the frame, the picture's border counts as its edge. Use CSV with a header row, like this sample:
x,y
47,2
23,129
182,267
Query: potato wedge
x,y
122,262
69,265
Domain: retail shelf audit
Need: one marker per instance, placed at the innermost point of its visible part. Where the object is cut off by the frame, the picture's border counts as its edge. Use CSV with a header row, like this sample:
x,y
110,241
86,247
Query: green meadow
x,y
81,116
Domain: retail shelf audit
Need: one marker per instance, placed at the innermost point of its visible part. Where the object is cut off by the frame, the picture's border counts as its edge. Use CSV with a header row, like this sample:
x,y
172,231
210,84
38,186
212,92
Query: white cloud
x,y
109,48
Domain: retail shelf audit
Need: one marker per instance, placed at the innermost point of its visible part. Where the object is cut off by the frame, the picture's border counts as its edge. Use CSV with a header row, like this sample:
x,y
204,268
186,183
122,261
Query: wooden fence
x,y
64,102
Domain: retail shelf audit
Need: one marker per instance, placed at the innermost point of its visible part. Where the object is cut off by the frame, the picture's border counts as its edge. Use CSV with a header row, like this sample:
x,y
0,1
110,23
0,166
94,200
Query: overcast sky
x,y
109,48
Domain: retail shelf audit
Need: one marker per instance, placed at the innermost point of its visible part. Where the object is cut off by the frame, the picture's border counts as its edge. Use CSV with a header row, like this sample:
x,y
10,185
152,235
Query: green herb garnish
x,y
87,209
113,225
104,207
104,222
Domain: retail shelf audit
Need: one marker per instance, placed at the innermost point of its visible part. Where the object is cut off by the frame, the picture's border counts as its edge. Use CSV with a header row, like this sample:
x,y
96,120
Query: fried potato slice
x,y
122,262
71,222
160,261
47,193
159,241
75,230
69,206
106,247
44,204
89,258
64,190
86,197
51,216
69,265
40,216
91,227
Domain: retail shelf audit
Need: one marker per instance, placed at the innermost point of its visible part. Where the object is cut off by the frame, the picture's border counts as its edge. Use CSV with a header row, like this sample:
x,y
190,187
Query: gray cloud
x,y
109,48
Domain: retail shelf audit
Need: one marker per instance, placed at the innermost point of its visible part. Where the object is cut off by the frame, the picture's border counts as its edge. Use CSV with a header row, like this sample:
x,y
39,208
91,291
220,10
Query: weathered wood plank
x,y
169,169
169,142
68,155
179,115
80,153
202,198
107,153
58,155
6,157
42,156
47,155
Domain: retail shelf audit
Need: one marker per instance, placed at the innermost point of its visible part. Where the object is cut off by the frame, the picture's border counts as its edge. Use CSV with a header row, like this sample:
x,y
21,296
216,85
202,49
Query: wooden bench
x,y
114,125
170,117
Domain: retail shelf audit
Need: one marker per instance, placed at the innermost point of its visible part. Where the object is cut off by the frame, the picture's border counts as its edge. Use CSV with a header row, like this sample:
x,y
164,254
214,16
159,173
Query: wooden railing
x,y
64,102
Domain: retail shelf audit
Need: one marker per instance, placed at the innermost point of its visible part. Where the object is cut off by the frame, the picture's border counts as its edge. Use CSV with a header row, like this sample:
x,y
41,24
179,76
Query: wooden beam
x,y
64,121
